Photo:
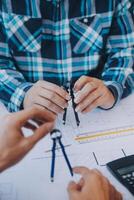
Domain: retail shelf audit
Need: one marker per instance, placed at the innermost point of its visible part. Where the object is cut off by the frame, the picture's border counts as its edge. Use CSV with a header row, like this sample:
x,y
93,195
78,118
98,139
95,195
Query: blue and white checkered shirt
x,y
61,40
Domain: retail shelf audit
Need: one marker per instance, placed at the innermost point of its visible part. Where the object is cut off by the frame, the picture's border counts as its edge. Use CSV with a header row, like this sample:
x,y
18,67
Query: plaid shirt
x,y
61,40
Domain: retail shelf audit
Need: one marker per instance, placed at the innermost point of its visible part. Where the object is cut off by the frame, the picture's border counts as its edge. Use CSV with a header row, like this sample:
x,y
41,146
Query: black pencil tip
x,y
78,123
52,180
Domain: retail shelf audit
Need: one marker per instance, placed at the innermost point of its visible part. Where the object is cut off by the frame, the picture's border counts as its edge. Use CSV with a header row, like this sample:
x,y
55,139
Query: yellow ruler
x,y
107,134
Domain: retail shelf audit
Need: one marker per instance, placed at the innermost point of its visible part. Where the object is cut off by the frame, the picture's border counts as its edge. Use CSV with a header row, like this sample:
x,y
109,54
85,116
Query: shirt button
x,y
85,20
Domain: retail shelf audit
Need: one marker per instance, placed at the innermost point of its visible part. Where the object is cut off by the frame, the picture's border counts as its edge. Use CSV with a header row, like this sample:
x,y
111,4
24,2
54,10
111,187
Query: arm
x,y
118,76
17,93
120,63
13,85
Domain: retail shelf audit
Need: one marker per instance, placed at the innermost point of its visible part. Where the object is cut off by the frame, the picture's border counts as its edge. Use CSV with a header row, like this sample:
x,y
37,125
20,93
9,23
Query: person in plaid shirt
x,y
47,44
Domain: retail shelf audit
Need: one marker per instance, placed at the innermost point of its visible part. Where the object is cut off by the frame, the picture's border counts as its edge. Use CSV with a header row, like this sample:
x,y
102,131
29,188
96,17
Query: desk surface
x,y
102,136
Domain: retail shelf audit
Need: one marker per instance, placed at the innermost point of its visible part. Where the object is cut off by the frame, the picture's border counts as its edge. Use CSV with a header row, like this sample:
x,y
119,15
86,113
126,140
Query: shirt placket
x,y
66,53
63,45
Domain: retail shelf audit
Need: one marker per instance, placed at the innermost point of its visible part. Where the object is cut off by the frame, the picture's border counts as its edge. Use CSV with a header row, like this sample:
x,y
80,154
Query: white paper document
x,y
101,137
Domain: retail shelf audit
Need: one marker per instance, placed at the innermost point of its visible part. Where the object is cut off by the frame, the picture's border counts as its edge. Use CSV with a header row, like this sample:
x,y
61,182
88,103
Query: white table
x,y
30,179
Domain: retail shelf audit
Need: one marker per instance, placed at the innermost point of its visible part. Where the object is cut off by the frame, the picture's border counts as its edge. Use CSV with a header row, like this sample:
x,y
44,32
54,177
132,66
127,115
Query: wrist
x,y
24,103
116,89
17,97
110,103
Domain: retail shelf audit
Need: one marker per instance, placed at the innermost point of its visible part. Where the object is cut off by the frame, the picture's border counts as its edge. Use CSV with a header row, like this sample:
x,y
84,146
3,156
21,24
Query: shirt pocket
x,y
86,34
24,33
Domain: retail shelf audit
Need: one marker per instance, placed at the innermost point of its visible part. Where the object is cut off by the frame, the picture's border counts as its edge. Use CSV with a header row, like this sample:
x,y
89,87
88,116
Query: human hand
x,y
92,93
47,95
13,144
92,186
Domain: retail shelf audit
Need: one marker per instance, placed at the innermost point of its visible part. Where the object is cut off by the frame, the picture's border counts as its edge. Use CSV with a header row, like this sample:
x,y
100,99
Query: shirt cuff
x,y
117,91
16,100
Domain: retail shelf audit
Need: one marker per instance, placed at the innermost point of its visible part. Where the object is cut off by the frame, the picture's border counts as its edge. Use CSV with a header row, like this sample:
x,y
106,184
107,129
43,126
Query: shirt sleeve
x,y
13,85
118,70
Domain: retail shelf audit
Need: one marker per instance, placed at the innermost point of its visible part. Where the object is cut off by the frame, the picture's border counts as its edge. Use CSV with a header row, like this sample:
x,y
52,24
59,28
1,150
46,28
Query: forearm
x,y
13,89
12,83
117,73
129,85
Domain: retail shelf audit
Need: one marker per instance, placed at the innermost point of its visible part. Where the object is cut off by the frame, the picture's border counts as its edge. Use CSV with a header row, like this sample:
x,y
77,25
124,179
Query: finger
x,y
81,183
43,115
98,172
53,87
38,122
41,132
81,170
30,126
88,88
50,116
49,105
88,100
98,175
20,118
53,97
81,82
73,191
72,186
93,105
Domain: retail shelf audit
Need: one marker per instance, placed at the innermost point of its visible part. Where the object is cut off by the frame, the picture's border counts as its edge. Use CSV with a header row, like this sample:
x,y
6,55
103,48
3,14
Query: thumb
x,y
72,187
41,132
72,190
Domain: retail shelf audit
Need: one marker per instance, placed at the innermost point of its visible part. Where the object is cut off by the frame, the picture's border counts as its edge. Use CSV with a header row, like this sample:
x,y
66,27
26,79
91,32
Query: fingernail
x,y
65,106
76,100
75,89
68,97
78,109
78,93
77,97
